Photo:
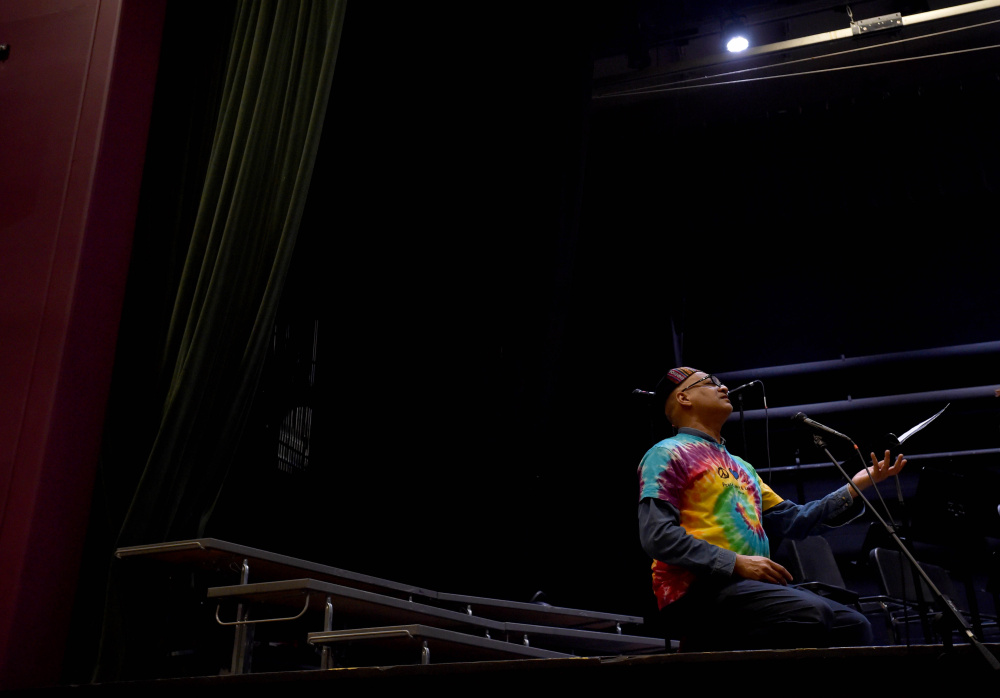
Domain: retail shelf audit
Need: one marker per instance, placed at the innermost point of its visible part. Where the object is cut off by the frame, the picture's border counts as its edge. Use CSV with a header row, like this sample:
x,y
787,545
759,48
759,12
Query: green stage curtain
x,y
195,397
274,102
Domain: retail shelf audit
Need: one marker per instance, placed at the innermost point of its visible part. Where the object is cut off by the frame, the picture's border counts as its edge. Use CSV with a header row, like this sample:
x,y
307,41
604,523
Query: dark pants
x,y
747,614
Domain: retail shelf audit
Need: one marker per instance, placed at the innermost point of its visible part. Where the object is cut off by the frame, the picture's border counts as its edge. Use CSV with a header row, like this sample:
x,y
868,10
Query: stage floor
x,y
824,672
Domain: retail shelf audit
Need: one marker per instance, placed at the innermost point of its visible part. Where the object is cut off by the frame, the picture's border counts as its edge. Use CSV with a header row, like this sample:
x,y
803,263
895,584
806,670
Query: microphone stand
x,y
942,600
743,426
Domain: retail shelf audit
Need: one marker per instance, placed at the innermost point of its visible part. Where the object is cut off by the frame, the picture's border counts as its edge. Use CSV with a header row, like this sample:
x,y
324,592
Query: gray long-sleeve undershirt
x,y
664,539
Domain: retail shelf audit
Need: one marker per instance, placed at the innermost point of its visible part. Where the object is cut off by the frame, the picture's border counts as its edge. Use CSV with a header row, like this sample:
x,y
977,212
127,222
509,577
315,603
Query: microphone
x,y
743,387
801,417
637,391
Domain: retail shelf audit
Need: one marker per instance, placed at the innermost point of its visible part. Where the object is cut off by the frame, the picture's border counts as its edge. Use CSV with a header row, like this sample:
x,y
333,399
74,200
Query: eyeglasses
x,y
715,381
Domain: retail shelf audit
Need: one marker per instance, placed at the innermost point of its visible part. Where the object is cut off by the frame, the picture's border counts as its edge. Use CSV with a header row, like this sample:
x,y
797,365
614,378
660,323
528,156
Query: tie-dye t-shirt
x,y
720,498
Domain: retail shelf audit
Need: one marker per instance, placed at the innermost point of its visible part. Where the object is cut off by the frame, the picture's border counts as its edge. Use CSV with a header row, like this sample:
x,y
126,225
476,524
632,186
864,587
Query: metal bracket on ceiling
x,y
876,24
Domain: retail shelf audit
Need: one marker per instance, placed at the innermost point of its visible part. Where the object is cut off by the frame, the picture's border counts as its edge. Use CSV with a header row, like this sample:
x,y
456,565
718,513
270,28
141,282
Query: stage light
x,y
737,44
735,36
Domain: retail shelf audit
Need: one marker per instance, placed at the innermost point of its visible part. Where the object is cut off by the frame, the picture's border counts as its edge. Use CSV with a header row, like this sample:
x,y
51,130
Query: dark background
x,y
491,262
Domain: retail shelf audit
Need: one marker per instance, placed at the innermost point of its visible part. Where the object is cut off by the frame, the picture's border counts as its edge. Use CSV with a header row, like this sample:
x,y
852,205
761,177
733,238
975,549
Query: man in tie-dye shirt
x,y
704,518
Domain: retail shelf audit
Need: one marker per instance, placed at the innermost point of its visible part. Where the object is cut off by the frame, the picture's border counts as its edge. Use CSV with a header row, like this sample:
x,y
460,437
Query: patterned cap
x,y
672,379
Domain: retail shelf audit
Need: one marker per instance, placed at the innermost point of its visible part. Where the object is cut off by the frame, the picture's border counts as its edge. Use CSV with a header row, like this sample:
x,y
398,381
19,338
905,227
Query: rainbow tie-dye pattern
x,y
719,496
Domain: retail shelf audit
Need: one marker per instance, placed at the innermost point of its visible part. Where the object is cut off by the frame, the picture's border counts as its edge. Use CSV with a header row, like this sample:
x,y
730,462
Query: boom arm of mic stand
x,y
960,623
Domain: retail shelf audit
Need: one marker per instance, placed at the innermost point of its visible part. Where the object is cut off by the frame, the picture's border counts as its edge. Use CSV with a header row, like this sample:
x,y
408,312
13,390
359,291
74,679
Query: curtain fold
x,y
274,98
277,85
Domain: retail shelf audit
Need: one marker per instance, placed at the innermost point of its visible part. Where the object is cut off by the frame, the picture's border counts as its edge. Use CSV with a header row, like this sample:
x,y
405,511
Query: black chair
x,y
914,603
814,567
993,580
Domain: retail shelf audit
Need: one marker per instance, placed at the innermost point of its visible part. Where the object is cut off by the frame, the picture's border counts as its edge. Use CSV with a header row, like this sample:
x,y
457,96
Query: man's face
x,y
707,394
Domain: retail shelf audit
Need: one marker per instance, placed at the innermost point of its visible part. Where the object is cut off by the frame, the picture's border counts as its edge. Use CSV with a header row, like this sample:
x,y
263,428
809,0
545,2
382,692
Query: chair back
x,y
816,562
899,580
